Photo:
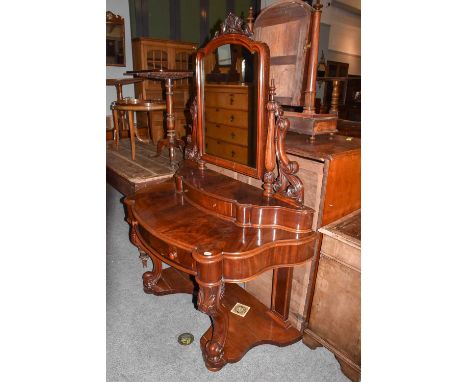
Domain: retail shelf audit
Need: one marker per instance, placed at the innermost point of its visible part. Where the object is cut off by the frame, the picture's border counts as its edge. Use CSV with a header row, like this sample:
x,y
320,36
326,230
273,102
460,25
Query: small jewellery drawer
x,y
175,256
226,150
228,100
230,134
226,117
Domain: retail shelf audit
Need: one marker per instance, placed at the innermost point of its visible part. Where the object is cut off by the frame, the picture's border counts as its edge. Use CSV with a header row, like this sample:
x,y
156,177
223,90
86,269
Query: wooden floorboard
x,y
128,176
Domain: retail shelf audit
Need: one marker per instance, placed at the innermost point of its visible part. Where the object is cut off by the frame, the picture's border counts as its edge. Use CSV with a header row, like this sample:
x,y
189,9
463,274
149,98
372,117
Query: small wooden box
x,y
335,316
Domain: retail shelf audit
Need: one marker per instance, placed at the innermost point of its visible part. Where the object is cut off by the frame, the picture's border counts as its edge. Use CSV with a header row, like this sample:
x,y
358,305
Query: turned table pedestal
x,y
168,76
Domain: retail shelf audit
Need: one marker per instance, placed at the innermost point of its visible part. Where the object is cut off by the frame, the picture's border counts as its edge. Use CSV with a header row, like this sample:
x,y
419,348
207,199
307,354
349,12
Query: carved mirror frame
x,y
113,19
232,32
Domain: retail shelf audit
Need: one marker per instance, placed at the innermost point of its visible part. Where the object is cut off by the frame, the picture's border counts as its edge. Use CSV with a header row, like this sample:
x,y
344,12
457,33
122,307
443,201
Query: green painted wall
x,y
159,19
216,15
242,8
131,4
190,20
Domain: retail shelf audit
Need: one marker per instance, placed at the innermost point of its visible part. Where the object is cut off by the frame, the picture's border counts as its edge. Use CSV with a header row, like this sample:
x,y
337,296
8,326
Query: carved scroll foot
x,y
209,279
151,278
214,355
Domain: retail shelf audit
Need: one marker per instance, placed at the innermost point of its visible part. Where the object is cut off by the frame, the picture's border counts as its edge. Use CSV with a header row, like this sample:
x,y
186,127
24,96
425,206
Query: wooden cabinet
x,y
227,119
150,53
335,317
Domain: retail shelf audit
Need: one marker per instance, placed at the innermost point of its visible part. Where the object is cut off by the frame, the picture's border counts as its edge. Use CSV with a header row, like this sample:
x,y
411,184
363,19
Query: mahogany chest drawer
x,y
226,99
226,117
226,150
229,134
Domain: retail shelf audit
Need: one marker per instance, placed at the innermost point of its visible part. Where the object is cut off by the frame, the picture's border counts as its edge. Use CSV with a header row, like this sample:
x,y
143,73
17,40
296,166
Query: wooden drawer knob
x,y
233,153
231,118
173,254
233,135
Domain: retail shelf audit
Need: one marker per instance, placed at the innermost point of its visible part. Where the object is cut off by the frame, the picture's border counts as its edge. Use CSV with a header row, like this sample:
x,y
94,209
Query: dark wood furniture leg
x,y
210,280
171,142
116,127
132,132
335,98
281,293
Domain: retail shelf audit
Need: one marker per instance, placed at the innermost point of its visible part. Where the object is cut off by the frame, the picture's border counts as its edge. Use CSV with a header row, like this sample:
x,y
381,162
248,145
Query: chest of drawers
x,y
227,121
335,316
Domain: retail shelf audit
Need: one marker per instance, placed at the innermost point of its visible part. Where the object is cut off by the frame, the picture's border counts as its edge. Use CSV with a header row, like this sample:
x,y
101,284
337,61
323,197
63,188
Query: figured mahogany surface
x,y
169,218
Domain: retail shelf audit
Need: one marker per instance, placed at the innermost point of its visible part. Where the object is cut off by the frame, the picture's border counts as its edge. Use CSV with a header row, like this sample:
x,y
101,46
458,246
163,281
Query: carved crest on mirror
x,y
234,24
113,18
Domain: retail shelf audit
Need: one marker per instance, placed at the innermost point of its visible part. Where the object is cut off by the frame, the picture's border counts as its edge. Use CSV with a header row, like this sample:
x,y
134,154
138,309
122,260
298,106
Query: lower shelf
x,y
257,327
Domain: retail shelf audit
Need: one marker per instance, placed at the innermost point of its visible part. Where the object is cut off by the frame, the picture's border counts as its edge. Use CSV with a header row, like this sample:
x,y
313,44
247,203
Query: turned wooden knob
x,y
173,254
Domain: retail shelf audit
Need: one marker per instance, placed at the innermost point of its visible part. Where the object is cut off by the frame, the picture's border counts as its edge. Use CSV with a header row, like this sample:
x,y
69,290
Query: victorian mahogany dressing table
x,y
215,231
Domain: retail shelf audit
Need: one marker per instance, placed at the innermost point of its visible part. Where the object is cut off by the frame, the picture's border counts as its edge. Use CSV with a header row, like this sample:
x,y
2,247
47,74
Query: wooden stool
x,y
131,105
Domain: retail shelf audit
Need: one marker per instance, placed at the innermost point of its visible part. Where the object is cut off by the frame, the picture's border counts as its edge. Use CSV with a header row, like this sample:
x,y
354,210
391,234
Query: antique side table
x,y
171,142
129,106
118,83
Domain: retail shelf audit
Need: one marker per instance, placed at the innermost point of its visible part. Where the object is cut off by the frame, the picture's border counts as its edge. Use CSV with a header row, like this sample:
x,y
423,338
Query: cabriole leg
x,y
210,280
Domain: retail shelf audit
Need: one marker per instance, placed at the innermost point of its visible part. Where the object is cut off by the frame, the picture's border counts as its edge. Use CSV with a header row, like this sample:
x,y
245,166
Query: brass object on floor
x,y
185,339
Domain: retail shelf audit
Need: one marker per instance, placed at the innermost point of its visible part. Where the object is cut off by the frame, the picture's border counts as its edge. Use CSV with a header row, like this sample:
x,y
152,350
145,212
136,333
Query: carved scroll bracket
x,y
192,151
287,183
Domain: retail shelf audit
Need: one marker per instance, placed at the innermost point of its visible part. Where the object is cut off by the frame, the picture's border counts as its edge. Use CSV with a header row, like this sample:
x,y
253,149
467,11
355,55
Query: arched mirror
x,y
115,40
232,96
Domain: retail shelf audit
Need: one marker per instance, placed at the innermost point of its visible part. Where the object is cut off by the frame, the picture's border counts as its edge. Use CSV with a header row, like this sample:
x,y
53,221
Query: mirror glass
x,y
115,40
230,104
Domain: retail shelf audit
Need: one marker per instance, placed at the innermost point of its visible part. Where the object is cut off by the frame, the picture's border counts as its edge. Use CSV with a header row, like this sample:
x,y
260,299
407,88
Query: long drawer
x,y
226,150
230,134
226,117
226,99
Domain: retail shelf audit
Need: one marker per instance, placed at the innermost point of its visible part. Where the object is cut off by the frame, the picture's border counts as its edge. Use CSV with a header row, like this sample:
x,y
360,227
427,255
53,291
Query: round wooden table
x,y
129,106
168,76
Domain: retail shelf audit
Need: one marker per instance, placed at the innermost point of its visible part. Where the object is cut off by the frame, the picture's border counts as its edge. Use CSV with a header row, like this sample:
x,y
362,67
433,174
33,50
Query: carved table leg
x,y
132,132
210,280
144,258
116,127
